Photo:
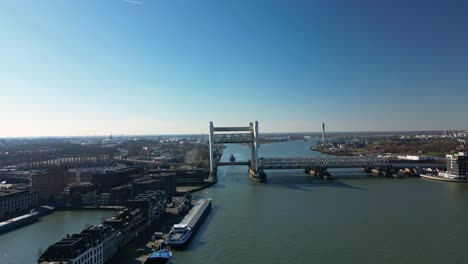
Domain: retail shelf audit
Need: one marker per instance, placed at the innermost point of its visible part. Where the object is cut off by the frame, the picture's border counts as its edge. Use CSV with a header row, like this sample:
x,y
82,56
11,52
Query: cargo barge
x,y
183,232
18,222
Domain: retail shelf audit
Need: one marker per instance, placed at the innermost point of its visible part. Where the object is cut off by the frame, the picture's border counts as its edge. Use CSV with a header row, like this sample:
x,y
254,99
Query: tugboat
x,y
162,256
232,158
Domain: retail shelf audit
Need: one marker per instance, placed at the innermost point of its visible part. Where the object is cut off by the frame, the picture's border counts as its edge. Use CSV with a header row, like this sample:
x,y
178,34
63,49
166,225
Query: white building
x,y
94,245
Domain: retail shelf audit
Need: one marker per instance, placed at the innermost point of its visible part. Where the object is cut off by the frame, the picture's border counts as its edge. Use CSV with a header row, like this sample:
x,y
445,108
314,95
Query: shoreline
x,y
181,190
437,178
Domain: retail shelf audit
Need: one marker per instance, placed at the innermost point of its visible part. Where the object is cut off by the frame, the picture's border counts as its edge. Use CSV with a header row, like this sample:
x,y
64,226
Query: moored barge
x,y
181,233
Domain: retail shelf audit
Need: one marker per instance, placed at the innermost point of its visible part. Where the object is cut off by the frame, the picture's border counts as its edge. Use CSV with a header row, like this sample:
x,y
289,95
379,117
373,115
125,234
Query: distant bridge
x,y
321,162
313,163
249,135
246,163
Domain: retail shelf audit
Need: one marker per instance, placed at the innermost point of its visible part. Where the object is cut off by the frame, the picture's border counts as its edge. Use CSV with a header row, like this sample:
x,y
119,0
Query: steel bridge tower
x,y
223,135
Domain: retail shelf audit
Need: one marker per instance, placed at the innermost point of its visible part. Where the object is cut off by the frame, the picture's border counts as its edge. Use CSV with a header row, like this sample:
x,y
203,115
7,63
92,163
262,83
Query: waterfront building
x,y
156,181
167,182
14,202
190,177
151,203
457,164
108,236
93,199
457,169
115,177
95,244
50,185
99,243
120,194
146,183
73,193
127,224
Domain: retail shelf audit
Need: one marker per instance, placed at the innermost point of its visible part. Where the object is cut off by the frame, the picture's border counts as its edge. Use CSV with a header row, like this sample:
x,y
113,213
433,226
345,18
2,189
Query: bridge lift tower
x,y
223,135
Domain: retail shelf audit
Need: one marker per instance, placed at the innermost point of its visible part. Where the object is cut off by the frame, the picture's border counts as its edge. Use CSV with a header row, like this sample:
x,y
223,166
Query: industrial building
x,y
14,202
457,164
50,185
115,177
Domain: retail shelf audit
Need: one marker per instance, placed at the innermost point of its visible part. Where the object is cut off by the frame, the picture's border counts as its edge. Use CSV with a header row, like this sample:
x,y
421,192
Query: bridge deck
x,y
232,138
321,162
228,129
327,162
246,163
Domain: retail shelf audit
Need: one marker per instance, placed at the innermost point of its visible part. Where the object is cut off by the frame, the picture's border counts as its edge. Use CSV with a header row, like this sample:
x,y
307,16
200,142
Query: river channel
x,y
355,219
294,218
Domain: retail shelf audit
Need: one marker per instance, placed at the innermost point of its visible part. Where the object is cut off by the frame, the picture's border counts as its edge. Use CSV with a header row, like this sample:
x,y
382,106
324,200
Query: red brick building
x,y
51,184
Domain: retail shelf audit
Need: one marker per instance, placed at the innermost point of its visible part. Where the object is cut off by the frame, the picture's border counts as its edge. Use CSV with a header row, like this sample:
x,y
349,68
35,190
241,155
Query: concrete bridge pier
x,y
321,173
213,176
258,176
366,169
238,135
383,171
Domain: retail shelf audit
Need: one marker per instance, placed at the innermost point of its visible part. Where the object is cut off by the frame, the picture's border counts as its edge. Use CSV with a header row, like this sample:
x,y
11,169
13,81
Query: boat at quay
x,y
445,177
19,221
181,233
457,169
162,256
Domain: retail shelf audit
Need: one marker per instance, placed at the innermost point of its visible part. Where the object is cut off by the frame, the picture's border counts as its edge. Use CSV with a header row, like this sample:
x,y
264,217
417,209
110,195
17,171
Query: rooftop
x,y
6,192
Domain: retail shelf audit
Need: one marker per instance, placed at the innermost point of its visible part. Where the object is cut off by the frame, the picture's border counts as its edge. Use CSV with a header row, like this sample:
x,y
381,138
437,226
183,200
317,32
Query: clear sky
x,y
86,67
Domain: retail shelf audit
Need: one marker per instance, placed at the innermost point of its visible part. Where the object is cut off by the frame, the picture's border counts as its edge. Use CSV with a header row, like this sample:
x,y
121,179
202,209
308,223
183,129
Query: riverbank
x,y
25,220
25,244
138,251
439,178
181,190
98,208
366,220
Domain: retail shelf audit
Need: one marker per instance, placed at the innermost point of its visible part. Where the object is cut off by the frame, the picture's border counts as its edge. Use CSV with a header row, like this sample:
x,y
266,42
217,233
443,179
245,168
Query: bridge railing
x,y
226,129
321,162
232,138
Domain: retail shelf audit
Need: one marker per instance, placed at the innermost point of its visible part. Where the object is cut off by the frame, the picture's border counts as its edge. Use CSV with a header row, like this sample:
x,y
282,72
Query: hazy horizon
x,y
261,133
84,68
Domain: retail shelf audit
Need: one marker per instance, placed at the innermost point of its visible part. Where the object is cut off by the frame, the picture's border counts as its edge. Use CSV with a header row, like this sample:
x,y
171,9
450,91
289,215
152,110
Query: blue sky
x,y
170,66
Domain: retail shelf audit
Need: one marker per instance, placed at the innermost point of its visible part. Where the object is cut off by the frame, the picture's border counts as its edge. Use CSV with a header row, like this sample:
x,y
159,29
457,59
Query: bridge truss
x,y
239,135
249,135
321,162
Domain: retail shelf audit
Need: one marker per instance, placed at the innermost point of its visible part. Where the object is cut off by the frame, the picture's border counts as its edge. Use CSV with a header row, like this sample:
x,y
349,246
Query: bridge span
x,y
321,162
249,135
245,163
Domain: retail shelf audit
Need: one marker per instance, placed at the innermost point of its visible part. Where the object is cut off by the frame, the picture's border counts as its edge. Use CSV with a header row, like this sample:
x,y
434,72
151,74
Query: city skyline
x,y
84,68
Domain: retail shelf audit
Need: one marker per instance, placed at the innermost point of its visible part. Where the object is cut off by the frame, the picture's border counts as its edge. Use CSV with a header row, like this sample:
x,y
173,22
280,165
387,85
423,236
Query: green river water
x,y
297,219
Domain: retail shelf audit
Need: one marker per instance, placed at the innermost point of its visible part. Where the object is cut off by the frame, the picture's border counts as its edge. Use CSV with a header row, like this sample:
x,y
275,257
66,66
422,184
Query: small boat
x,y
232,158
162,256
